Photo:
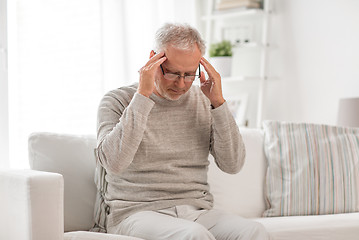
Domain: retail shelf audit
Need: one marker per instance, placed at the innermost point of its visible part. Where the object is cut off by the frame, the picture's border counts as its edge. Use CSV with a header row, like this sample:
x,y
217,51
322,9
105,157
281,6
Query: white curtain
x,y
65,54
4,112
129,28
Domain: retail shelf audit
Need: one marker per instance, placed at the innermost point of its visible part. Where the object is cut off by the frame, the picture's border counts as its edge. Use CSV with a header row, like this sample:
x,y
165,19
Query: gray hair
x,y
181,36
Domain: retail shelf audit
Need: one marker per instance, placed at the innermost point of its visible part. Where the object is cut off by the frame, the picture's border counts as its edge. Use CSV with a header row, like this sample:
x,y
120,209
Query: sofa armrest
x,y
31,205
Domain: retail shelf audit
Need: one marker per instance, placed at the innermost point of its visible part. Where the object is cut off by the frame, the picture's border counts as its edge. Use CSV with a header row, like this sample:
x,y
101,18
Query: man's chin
x,y
169,95
173,97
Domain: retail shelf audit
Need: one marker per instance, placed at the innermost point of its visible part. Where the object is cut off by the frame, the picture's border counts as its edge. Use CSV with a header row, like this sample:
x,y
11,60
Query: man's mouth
x,y
177,92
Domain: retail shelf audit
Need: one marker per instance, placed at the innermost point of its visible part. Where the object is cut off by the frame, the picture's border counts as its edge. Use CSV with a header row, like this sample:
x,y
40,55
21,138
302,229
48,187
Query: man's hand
x,y
147,74
211,87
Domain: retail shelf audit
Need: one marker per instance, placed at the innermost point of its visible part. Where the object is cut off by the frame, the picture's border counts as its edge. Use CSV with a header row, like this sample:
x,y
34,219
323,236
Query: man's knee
x,y
259,232
197,232
235,227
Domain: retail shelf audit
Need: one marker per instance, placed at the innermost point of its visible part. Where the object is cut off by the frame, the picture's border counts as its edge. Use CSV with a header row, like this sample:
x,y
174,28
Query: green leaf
x,y
220,49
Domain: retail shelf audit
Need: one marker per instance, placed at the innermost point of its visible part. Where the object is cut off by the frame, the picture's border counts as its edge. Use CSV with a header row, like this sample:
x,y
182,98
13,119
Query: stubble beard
x,y
163,93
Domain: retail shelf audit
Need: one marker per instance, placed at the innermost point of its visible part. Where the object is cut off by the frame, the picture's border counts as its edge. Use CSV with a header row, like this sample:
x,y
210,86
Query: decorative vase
x,y
223,65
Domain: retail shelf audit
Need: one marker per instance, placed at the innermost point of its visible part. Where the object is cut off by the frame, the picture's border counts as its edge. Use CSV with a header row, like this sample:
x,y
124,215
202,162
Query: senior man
x,y
154,138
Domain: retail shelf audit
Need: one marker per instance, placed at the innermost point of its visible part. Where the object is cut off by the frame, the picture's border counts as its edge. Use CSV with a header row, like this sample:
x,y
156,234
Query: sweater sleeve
x,y
227,146
121,124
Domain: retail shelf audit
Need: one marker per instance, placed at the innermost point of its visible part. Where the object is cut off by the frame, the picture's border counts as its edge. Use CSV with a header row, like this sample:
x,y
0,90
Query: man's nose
x,y
180,83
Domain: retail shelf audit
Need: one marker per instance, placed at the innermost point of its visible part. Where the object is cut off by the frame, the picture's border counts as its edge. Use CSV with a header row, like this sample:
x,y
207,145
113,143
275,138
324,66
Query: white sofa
x,y
58,195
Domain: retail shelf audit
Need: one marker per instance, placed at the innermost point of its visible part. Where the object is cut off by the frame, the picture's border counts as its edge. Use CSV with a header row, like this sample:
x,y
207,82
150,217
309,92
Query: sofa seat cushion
x,y
84,235
318,227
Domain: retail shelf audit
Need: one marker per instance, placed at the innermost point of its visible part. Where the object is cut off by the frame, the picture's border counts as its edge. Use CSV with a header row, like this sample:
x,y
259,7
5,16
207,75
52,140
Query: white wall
x,y
317,59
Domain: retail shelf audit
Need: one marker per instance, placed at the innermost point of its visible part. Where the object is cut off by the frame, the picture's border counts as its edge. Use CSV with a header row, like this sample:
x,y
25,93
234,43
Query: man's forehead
x,y
183,60
173,68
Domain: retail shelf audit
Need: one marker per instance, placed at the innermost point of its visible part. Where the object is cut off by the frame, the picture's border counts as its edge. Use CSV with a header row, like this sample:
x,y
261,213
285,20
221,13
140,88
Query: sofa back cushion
x,y
242,193
312,169
73,157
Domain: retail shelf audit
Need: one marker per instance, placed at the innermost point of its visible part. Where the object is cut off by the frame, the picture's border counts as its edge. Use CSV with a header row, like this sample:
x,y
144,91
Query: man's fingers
x,y
150,65
155,58
205,82
206,65
157,63
212,73
202,77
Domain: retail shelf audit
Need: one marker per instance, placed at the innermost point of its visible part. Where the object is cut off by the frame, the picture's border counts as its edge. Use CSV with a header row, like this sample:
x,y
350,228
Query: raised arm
x,y
122,119
227,146
121,123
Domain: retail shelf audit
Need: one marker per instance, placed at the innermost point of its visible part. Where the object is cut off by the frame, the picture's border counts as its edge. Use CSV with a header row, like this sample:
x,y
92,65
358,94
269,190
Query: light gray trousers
x,y
189,223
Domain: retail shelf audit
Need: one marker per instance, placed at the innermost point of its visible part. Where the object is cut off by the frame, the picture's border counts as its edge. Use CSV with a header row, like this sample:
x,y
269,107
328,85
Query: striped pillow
x,y
312,169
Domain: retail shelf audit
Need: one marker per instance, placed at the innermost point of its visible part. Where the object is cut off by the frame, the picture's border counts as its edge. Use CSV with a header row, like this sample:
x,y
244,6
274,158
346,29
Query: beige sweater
x,y
155,151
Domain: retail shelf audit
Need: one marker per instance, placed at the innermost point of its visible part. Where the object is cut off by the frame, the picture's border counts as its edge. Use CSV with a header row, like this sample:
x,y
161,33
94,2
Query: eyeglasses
x,y
174,76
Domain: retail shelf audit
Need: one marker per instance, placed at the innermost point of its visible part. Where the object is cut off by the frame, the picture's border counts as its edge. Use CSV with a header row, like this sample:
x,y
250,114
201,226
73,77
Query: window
x,y
64,56
4,120
56,75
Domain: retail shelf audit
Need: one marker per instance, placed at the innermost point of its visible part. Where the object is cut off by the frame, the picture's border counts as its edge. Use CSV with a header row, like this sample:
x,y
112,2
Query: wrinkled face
x,y
179,61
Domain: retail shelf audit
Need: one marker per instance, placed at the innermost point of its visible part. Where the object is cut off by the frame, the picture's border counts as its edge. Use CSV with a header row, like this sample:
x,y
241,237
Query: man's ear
x,y
152,53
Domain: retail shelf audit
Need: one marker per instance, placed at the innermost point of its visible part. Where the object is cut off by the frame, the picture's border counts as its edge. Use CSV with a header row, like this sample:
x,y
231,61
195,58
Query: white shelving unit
x,y
221,14
262,45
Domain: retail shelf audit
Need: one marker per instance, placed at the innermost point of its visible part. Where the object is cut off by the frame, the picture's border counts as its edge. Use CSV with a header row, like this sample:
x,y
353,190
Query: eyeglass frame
x,y
184,76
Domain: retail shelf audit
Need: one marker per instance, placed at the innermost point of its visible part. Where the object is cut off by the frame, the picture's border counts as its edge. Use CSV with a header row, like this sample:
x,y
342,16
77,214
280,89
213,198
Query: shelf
x,y
214,22
242,78
248,78
233,13
251,45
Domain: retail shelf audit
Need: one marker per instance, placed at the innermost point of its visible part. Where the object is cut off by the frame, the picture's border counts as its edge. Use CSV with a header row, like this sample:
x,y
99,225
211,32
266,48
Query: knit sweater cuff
x,y
221,114
141,104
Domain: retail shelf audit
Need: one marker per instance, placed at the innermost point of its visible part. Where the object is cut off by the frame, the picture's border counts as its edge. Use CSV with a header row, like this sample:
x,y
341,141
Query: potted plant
x,y
221,57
